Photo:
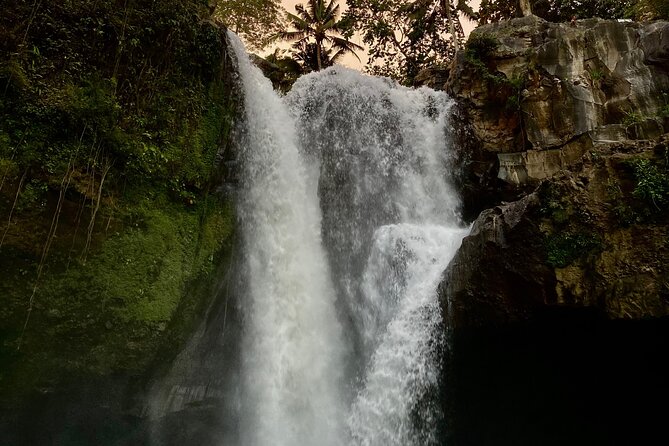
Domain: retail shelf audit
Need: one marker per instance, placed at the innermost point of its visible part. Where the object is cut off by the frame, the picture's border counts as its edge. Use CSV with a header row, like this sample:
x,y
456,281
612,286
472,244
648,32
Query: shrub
x,y
652,184
632,118
563,248
480,46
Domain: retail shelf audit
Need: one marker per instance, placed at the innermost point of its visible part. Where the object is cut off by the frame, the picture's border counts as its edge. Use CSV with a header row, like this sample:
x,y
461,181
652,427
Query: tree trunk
x,y
318,55
446,4
525,7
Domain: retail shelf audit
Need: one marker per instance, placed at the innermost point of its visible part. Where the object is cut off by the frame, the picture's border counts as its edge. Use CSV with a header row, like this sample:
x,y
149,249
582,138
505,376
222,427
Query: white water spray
x,y
375,157
293,348
390,228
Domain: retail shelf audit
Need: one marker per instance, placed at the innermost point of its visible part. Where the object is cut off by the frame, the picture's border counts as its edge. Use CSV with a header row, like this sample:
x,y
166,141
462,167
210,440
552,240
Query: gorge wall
x,y
117,220
559,297
566,135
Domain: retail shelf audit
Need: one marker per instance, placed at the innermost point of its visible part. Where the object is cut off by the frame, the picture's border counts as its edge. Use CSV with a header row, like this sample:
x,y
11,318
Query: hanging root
x,y
64,185
91,225
80,211
4,174
11,212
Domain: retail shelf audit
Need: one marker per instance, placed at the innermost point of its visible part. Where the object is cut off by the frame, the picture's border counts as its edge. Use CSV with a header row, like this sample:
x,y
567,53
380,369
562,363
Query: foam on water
x,y
348,219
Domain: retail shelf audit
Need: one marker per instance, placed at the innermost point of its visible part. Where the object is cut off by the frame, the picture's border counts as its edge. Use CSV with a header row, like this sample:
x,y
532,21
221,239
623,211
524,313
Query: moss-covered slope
x,y
114,122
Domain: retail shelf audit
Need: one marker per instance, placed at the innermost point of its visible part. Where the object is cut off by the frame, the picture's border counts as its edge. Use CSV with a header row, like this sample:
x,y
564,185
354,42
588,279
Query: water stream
x,y
348,221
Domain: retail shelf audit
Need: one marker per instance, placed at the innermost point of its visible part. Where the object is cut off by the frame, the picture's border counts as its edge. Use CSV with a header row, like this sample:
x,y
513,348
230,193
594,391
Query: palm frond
x,y
290,36
341,43
467,10
303,13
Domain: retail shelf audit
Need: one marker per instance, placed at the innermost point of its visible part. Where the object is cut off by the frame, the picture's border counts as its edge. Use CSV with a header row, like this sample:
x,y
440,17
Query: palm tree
x,y
316,25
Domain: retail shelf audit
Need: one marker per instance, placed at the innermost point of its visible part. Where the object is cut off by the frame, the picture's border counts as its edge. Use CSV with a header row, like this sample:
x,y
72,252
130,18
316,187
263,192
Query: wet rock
x,y
582,239
559,89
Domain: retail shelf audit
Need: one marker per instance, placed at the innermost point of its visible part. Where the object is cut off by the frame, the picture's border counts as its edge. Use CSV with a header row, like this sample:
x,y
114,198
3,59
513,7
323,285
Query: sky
x,y
349,60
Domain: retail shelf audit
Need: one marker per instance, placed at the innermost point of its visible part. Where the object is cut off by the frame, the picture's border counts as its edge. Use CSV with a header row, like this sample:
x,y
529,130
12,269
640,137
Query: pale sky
x,y
350,60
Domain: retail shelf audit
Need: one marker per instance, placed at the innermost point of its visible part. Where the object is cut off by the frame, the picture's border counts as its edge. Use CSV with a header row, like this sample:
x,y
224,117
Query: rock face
x,y
496,276
584,238
545,93
566,124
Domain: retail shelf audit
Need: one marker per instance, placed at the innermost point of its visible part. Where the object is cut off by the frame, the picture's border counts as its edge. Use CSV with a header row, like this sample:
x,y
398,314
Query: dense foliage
x,y
404,37
565,10
649,9
91,84
112,117
253,20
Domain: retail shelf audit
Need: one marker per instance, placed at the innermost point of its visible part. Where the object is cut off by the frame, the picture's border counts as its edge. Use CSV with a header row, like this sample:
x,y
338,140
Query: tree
x,y
281,69
317,34
556,10
255,21
492,11
650,10
404,36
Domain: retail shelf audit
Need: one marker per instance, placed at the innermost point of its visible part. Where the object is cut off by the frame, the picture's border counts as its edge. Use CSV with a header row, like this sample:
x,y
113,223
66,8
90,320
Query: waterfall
x,y
348,220
293,343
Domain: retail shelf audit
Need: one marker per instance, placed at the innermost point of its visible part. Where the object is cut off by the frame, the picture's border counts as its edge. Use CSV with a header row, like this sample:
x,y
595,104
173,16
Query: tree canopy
x,y
404,36
255,21
564,10
317,34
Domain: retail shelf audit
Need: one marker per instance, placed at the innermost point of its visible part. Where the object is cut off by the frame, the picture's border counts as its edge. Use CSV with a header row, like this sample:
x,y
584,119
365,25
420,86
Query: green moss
x,y
564,248
109,313
132,262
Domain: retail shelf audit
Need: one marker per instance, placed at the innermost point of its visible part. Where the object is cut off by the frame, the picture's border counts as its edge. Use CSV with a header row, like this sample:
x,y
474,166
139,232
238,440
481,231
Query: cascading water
x,y
293,349
390,229
348,222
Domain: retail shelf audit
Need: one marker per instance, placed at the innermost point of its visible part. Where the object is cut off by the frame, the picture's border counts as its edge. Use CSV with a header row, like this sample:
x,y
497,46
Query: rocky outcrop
x,y
495,276
583,238
562,142
539,95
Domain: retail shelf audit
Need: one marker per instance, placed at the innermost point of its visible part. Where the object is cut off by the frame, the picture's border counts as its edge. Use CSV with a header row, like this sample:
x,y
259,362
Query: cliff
x,y
558,299
567,141
117,218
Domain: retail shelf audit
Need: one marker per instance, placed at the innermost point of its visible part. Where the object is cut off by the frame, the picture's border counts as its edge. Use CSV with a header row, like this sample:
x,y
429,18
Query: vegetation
x,y
552,205
563,10
282,70
403,37
623,212
632,118
596,74
648,9
478,50
317,33
652,184
562,249
645,197
480,46
555,10
255,21
112,118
